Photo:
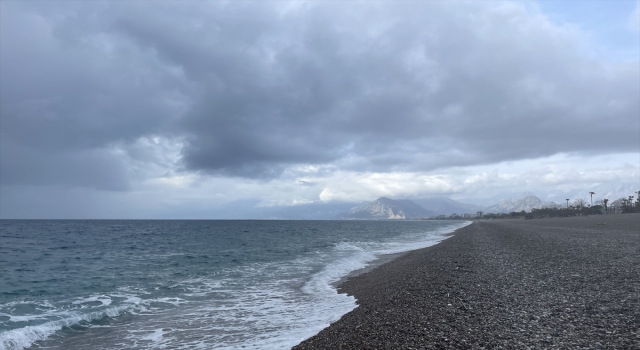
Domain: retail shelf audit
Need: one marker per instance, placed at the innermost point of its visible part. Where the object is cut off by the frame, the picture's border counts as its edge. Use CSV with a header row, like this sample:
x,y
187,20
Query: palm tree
x,y
567,203
592,193
606,200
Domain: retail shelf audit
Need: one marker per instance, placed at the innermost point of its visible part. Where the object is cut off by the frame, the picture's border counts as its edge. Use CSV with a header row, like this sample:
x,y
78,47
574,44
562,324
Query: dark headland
x,y
567,283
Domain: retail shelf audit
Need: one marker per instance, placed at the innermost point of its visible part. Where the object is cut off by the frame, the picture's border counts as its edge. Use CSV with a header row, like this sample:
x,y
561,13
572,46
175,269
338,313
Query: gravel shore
x,y
566,283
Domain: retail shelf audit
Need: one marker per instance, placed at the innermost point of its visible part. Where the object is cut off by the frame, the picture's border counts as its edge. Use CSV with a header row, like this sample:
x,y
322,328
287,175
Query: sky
x,y
162,109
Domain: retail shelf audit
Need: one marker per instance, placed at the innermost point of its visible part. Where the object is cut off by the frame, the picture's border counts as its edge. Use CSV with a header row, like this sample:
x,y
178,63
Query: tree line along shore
x,y
576,207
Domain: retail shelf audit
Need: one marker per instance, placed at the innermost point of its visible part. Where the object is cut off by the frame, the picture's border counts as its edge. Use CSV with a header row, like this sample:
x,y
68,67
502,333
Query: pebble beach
x,y
565,283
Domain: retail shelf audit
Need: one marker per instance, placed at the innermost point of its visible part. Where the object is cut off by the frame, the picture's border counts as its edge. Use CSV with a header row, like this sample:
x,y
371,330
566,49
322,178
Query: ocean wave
x,y
21,338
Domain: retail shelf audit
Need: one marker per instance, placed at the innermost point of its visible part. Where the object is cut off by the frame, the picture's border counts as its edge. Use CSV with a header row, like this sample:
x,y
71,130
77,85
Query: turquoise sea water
x,y
185,284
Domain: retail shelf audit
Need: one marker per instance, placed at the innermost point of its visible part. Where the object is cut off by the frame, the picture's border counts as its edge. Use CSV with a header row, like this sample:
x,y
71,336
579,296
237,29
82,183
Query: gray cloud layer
x,y
251,89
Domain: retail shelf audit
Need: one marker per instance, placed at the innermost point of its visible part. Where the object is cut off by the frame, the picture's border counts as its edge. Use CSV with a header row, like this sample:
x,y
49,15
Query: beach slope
x,y
550,283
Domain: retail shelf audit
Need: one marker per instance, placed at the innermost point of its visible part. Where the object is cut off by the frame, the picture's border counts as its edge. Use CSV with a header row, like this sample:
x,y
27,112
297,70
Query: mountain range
x,y
409,207
525,202
386,208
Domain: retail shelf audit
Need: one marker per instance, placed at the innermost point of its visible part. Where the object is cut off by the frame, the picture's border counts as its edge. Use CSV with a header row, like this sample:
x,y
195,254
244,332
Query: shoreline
x,y
561,282
387,258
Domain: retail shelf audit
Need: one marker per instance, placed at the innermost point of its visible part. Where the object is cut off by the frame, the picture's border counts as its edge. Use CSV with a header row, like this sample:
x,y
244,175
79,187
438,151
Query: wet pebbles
x,y
570,283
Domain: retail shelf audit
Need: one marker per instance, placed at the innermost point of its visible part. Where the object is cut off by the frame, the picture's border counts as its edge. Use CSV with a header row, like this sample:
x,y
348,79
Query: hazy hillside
x,y
525,202
447,206
386,208
613,192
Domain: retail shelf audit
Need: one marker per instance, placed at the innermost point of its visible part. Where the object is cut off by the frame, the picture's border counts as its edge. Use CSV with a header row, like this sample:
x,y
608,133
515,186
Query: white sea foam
x,y
155,339
103,299
156,336
24,337
322,304
173,301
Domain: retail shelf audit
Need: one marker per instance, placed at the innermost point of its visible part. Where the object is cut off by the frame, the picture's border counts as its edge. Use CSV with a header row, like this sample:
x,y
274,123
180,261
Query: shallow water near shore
x,y
186,284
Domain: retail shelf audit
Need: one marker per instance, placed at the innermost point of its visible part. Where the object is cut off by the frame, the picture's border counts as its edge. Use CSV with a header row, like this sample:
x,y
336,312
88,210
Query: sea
x,y
152,284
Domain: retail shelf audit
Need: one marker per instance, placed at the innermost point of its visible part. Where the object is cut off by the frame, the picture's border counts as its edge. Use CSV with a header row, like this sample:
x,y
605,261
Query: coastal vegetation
x,y
577,207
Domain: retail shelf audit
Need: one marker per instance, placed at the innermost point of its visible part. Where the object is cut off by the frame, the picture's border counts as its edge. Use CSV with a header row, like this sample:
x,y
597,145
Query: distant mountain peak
x,y
527,201
528,194
384,200
386,208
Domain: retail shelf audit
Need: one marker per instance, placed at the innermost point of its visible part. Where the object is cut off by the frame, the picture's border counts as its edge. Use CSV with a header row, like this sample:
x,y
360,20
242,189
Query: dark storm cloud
x,y
70,91
254,88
